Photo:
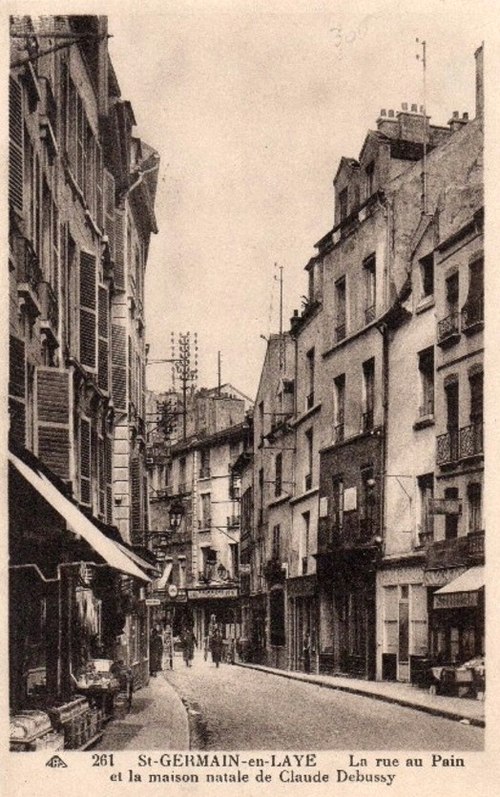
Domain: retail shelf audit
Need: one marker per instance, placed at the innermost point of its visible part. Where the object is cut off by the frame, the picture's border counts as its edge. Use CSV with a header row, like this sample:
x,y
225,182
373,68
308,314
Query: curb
x,y
401,701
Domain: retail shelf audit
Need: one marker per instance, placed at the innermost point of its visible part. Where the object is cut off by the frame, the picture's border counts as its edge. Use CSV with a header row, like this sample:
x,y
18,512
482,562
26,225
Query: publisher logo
x,y
55,761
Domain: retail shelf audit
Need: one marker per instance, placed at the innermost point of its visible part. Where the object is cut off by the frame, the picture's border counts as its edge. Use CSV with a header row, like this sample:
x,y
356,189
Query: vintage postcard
x,y
249,370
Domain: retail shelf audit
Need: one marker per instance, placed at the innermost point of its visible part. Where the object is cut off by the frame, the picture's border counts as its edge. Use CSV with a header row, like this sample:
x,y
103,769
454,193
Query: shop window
x,y
277,616
426,370
404,628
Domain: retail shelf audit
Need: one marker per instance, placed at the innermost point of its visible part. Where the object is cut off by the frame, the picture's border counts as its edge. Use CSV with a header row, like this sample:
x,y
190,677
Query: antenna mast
x,y
423,59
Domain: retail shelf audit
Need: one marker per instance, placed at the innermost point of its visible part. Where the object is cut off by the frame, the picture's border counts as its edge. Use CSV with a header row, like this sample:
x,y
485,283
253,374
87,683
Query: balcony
x,y
466,551
49,313
370,314
447,448
448,331
367,421
471,441
473,315
29,274
310,401
340,332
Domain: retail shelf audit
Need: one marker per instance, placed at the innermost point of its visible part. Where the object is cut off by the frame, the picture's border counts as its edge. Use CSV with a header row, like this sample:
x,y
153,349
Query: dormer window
x,y
343,199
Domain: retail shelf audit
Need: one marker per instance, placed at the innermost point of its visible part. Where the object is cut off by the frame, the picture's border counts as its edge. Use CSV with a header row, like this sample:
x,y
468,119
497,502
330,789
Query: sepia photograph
x,y
245,491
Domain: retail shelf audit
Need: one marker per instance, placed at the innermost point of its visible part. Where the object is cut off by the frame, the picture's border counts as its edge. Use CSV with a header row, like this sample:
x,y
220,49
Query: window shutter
x,y
119,273
99,189
135,502
85,459
390,619
17,389
53,419
109,210
418,608
102,476
119,367
15,145
103,342
88,302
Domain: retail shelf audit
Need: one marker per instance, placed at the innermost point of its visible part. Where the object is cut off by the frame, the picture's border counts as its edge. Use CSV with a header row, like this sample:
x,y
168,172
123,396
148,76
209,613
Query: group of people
x,y
161,646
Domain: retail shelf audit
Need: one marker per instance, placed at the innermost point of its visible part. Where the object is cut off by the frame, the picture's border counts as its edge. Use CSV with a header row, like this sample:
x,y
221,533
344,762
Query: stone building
x,y
81,198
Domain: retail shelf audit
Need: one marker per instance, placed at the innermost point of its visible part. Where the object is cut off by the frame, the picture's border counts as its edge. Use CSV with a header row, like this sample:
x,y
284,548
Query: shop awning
x,y
163,580
137,559
77,522
461,591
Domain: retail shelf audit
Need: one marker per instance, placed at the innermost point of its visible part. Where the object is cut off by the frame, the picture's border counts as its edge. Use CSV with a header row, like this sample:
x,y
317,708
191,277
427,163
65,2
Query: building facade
x,y
73,208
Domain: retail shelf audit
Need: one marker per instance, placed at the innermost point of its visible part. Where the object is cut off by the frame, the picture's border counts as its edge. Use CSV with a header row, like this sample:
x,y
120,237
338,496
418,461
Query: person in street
x,y
188,642
168,649
216,645
306,650
155,652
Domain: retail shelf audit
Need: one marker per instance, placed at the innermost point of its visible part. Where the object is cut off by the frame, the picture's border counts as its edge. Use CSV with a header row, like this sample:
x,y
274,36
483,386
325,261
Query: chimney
x,y
479,81
457,122
386,123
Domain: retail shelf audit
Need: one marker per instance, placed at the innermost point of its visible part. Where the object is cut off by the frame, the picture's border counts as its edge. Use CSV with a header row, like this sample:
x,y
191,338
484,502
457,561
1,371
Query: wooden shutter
x,y
15,144
103,338
99,189
119,367
119,272
88,310
390,619
418,620
109,210
53,419
85,460
17,389
135,501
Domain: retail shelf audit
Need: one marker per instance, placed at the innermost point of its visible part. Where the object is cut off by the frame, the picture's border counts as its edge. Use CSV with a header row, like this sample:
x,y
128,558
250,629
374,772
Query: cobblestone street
x,y
232,708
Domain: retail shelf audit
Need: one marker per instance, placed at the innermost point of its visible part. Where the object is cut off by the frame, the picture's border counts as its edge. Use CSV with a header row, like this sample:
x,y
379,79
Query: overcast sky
x,y
250,112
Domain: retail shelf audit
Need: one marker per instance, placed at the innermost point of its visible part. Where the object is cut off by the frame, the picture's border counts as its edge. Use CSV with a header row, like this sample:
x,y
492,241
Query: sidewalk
x,y
455,708
156,721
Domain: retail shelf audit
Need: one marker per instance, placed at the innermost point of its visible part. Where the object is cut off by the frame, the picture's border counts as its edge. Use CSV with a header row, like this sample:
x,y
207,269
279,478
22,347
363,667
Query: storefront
x,y
223,602
457,618
302,623
68,607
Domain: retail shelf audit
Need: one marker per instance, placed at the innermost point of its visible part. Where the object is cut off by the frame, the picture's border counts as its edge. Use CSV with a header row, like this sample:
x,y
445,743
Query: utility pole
x,y
219,373
185,358
282,342
423,59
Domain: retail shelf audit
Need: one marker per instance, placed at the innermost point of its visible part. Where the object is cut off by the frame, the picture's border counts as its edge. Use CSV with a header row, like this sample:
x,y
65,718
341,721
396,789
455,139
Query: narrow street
x,y
238,709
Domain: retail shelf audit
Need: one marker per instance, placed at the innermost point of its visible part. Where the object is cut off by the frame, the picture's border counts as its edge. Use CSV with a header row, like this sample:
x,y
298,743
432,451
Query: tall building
x,y
81,197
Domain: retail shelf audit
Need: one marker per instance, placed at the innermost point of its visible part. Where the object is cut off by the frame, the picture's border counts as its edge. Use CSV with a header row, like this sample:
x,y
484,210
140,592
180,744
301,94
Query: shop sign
x,y
204,594
301,586
153,602
455,600
172,591
438,578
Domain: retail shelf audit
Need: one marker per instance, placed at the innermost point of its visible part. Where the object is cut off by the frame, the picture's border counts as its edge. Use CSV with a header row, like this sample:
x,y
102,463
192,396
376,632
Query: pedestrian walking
x,y
168,649
216,645
188,642
155,652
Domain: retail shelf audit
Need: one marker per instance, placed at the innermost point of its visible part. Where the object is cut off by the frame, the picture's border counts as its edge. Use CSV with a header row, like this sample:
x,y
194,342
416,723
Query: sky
x,y
250,107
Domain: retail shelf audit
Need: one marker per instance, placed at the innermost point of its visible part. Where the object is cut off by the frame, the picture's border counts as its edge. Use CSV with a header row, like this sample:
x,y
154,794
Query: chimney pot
x,y
404,106
465,116
382,112
456,114
421,109
414,108
295,313
391,113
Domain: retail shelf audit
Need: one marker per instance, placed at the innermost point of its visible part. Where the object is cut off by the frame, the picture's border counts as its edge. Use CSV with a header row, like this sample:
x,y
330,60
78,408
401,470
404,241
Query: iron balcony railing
x,y
340,332
472,313
471,440
370,314
448,327
447,447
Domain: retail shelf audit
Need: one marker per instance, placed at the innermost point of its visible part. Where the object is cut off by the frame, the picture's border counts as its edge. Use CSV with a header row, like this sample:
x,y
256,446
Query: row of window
x,y
369,280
